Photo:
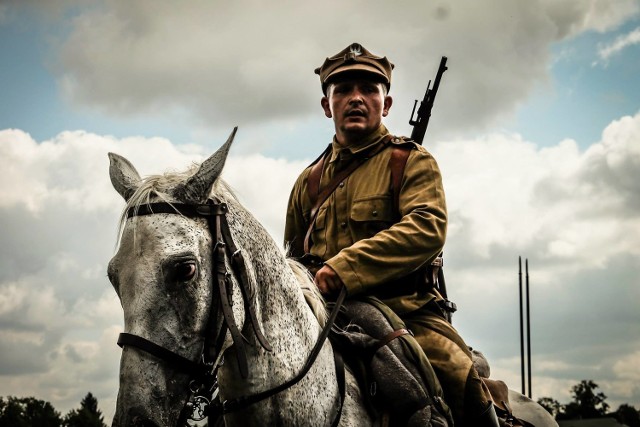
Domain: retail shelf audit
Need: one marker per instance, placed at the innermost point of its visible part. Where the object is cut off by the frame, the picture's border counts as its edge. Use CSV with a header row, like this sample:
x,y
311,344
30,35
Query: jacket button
x,y
374,213
341,184
343,224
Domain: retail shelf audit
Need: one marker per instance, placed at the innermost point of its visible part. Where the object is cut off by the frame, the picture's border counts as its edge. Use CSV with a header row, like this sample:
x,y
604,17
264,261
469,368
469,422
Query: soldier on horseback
x,y
363,223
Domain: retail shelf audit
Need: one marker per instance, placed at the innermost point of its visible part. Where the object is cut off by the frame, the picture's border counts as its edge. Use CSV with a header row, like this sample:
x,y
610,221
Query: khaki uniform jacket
x,y
372,248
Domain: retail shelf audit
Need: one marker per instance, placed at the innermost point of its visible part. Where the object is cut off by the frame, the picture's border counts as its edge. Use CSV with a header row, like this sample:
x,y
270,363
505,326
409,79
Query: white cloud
x,y
556,201
130,58
618,45
12,295
575,16
627,367
263,185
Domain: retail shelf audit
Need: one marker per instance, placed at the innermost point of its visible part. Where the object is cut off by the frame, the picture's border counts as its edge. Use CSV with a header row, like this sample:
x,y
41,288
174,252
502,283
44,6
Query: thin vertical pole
x,y
521,325
528,330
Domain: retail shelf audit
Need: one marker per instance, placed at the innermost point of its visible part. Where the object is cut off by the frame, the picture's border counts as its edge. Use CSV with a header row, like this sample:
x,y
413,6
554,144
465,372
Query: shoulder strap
x,y
315,175
397,163
313,184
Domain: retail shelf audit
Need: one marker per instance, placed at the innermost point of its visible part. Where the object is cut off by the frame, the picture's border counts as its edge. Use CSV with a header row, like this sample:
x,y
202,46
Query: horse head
x,y
194,272
164,276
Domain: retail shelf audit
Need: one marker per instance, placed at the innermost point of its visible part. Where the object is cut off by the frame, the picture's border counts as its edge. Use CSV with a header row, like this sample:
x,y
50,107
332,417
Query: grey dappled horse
x,y
188,301
163,274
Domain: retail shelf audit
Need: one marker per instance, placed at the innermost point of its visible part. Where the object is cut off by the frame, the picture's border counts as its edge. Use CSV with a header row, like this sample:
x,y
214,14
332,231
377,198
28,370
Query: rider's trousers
x,y
464,391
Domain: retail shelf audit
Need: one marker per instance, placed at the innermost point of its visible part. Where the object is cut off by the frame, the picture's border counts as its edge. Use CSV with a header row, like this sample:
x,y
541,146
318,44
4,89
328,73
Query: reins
x,y
241,402
203,371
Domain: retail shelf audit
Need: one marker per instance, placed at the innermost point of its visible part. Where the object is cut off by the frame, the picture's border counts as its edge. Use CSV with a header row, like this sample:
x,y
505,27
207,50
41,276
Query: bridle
x,y
203,385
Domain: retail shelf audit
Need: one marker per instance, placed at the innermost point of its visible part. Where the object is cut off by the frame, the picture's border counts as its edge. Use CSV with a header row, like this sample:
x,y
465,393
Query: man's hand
x,y
328,281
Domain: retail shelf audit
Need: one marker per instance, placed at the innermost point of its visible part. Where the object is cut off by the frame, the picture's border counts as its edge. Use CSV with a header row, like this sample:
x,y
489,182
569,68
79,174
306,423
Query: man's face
x,y
357,107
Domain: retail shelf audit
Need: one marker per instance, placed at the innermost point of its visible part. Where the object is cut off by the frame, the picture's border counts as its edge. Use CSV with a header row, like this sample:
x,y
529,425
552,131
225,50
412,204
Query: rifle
x,y
417,134
424,111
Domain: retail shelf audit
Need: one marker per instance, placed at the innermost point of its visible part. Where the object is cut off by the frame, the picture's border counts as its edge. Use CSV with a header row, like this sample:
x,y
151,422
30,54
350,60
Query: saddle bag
x,y
390,365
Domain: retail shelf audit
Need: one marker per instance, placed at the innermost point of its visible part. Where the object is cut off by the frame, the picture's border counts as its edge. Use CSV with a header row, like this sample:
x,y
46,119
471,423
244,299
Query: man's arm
x,y
295,226
408,244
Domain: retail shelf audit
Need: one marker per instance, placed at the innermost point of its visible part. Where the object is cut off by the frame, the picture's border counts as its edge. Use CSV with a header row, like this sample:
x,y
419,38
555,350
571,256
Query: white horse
x,y
164,275
203,285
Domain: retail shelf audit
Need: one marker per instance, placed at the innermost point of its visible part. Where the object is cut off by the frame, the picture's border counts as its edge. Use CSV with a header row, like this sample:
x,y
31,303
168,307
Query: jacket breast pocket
x,y
371,215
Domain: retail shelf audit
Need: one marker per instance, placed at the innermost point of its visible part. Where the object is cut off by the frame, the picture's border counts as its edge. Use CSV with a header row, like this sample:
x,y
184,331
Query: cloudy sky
x,y
536,130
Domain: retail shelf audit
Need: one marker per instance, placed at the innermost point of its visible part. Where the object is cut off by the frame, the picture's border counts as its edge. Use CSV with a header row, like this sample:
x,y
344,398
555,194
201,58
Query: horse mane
x,y
310,291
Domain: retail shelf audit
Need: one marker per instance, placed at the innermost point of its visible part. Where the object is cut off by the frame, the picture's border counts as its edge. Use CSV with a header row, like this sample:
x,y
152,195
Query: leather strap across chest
x,y
318,197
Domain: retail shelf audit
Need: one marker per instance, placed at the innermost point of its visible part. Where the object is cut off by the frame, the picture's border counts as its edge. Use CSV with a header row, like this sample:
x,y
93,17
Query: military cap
x,y
355,58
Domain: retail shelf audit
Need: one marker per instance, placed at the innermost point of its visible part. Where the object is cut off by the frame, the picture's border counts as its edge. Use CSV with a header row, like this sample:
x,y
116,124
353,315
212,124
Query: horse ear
x,y
124,177
196,188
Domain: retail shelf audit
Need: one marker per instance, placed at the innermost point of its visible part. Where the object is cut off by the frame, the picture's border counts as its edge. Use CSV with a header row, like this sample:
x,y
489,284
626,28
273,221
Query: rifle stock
x,y
424,111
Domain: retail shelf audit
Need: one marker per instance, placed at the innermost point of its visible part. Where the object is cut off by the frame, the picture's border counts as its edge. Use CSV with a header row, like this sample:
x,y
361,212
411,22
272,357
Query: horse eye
x,y
185,271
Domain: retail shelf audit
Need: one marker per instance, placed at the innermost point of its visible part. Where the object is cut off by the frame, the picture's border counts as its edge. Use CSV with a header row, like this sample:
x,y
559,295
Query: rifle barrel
x,y
424,111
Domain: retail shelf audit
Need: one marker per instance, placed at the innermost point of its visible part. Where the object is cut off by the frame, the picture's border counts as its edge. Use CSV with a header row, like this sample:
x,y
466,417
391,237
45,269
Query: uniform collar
x,y
344,153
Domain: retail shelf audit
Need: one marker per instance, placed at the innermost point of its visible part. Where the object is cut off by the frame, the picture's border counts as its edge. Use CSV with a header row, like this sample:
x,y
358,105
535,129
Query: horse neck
x,y
292,331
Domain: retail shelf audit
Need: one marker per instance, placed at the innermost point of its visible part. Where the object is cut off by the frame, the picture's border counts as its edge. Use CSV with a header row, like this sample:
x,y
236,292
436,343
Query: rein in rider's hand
x,y
328,282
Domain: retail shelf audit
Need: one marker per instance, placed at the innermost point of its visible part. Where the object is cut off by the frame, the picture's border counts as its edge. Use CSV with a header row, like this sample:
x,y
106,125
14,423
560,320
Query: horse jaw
x,y
196,189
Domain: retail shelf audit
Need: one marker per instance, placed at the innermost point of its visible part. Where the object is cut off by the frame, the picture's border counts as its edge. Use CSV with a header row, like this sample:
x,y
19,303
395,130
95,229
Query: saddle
x,y
390,366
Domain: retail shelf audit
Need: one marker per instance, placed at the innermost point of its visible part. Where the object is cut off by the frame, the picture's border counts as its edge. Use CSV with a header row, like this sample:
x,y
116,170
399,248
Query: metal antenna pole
x,y
521,325
528,330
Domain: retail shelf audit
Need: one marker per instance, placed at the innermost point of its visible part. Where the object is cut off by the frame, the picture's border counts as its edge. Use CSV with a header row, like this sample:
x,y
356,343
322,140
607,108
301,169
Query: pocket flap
x,y
376,208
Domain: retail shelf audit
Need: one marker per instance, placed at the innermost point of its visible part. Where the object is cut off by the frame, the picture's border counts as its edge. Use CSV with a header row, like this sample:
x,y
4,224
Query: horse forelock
x,y
154,188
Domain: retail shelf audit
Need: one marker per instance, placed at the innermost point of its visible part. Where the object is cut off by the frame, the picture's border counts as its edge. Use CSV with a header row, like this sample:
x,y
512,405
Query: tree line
x,y
588,402
32,412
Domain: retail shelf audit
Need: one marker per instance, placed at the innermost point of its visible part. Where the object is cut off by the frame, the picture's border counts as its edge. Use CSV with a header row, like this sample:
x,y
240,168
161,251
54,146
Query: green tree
x,y
586,402
28,412
551,405
87,416
628,415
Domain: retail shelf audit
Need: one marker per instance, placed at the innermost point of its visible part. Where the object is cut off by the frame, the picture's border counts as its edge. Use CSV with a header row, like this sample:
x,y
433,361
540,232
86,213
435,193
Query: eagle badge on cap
x,y
355,50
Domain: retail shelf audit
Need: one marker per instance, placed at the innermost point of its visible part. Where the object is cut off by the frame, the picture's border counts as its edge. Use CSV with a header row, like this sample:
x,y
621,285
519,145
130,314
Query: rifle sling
x,y
397,164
